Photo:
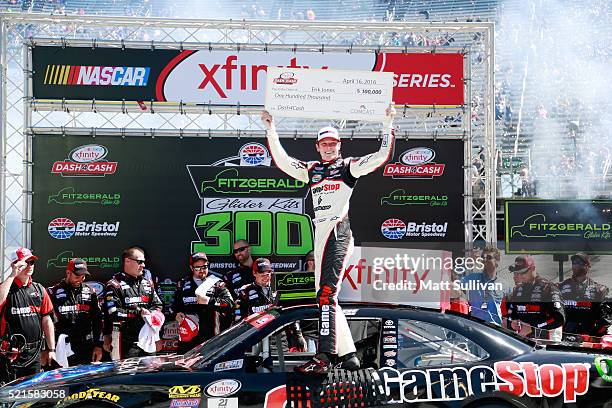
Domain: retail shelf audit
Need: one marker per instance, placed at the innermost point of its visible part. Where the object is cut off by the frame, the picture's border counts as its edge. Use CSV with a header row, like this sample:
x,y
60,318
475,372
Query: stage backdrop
x,y
94,197
558,226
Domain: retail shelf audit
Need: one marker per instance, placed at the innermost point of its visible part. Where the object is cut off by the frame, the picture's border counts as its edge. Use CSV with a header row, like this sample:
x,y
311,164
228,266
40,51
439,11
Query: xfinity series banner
x,y
558,226
223,77
93,197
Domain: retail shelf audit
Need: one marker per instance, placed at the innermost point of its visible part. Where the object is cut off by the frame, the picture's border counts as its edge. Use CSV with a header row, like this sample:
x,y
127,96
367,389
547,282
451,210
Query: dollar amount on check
x,y
328,94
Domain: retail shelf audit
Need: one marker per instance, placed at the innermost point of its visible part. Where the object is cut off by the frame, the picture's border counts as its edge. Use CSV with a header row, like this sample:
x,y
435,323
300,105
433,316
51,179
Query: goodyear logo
x,y
96,75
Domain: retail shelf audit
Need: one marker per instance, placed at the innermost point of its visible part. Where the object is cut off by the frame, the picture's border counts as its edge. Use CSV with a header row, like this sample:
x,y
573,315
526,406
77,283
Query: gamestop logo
x,y
415,163
65,228
85,161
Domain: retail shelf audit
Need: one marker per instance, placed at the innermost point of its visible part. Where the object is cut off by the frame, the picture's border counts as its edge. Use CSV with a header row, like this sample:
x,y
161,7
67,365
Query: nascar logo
x,y
96,75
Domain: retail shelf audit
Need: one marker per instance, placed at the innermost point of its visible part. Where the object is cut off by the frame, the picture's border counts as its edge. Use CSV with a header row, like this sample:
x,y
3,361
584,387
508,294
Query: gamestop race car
x,y
410,357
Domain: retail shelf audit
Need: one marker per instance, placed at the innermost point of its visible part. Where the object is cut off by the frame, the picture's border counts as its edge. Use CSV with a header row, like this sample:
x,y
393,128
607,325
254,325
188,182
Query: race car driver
x,y
77,314
129,297
582,300
259,296
207,313
535,307
331,183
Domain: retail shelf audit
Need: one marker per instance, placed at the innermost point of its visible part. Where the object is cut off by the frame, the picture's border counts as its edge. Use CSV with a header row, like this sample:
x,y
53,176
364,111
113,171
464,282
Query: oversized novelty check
x,y
328,93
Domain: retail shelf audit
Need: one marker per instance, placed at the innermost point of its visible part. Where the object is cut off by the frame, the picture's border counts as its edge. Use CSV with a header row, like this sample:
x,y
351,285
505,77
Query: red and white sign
x,y
85,161
415,163
225,77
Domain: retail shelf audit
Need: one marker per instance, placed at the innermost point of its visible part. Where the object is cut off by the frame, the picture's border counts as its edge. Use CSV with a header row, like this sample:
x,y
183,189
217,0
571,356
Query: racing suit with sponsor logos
x,y
583,302
21,314
255,298
77,315
237,278
213,317
125,297
331,186
538,304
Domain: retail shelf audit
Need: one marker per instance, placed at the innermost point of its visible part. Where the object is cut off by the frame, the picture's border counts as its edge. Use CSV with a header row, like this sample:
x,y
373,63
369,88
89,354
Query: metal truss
x,y
22,117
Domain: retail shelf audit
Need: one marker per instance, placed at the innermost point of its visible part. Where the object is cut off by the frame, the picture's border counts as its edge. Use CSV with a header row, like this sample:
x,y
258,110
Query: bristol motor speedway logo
x,y
415,163
79,75
85,161
65,228
395,229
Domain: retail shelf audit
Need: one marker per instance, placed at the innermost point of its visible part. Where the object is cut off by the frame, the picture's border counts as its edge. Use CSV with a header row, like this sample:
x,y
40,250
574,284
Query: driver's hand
x,y
391,112
267,119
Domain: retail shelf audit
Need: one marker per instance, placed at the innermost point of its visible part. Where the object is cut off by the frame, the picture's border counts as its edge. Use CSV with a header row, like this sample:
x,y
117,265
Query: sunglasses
x,y
31,263
489,256
138,261
578,262
200,268
262,272
240,249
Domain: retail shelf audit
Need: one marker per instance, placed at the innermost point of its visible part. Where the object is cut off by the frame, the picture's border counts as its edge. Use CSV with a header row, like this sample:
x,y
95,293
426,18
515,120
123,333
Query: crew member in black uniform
x,y
243,273
211,311
535,307
259,296
77,314
583,299
25,320
129,296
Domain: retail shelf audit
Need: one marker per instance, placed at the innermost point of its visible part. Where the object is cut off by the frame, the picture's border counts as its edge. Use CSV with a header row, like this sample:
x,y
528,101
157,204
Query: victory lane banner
x,y
558,226
227,77
93,197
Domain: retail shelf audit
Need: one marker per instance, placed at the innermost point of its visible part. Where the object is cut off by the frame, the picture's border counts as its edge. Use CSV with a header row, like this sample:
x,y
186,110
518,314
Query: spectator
x,y
485,301
77,314
243,274
25,319
206,317
535,308
582,300
129,298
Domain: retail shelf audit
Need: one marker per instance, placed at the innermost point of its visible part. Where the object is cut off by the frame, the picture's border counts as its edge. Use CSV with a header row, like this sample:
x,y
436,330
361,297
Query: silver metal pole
x,y
27,148
3,171
489,118
468,199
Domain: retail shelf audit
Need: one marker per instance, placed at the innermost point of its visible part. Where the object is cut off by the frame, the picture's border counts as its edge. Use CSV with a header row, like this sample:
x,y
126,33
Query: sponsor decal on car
x,y
92,393
222,403
416,163
222,388
229,365
85,161
604,368
524,378
185,391
185,402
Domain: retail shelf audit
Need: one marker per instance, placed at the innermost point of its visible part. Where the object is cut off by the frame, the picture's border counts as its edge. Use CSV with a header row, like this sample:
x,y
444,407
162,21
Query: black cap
x,y
522,264
262,264
78,267
584,257
197,256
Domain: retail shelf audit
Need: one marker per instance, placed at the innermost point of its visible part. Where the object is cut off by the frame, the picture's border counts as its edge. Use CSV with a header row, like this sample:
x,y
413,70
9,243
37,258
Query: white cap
x,y
328,132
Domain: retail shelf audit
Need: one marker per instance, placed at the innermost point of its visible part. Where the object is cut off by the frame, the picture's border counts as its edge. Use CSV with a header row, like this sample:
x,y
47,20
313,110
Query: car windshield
x,y
207,351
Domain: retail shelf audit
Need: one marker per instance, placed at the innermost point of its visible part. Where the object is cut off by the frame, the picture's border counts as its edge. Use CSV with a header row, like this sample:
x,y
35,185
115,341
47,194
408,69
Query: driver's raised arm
x,y
370,162
293,167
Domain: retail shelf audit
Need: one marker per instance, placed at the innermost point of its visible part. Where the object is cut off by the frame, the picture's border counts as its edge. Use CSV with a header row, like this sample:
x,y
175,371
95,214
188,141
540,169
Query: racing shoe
x,y
318,365
348,362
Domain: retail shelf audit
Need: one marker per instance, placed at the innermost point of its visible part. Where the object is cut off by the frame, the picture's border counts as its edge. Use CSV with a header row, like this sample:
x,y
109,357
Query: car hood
x,y
87,373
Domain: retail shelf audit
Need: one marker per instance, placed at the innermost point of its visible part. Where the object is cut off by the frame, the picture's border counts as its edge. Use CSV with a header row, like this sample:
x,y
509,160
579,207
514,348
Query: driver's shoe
x,y
318,365
348,362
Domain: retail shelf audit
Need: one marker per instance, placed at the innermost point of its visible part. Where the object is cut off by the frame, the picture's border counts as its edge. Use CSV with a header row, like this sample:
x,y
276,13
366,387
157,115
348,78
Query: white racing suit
x,y
331,186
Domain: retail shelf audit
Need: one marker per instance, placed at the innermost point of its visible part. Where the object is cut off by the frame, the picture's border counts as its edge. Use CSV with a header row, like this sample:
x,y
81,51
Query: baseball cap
x,y
78,267
188,328
22,254
328,132
262,264
584,257
522,264
197,256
